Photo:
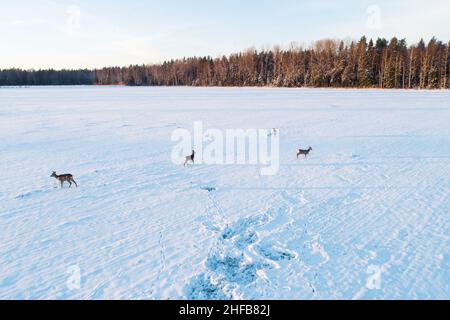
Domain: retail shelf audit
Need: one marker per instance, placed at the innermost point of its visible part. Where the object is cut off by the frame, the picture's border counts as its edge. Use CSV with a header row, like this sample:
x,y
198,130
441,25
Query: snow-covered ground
x,y
367,216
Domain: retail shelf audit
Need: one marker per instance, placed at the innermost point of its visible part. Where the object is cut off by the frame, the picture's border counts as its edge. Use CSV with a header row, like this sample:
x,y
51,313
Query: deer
x,y
64,178
190,159
304,152
274,132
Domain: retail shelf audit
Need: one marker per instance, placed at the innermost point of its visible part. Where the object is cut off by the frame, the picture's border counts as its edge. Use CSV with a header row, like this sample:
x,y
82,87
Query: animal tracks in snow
x,y
241,253
29,194
276,253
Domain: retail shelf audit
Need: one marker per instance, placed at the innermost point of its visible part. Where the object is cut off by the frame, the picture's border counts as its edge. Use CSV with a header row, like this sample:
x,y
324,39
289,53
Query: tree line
x,y
328,63
18,77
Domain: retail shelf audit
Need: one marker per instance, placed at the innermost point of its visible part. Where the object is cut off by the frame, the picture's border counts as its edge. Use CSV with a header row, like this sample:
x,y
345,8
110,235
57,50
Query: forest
x,y
327,63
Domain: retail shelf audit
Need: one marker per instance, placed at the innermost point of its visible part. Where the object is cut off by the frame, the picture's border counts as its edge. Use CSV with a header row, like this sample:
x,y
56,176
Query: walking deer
x,y
304,152
64,178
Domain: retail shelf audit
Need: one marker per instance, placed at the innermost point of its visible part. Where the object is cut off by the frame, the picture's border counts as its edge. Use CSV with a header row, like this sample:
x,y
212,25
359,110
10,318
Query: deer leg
x,y
75,183
62,184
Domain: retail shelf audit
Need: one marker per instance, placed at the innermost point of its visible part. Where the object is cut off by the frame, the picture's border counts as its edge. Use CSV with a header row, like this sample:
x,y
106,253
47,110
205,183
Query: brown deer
x,y
64,178
190,159
304,152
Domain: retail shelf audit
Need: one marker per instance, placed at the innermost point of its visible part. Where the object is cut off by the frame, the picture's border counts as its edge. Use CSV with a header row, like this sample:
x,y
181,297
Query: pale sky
x,y
96,33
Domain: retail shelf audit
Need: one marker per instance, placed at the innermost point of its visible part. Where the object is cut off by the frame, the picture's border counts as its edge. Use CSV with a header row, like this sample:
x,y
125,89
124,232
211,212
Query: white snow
x,y
373,195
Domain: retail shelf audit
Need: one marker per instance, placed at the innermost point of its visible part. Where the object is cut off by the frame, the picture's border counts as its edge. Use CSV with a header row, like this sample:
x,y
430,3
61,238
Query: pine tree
x,y
363,66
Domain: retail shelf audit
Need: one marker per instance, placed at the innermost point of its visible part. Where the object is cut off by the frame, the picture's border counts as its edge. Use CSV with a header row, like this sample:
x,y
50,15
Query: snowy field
x,y
367,216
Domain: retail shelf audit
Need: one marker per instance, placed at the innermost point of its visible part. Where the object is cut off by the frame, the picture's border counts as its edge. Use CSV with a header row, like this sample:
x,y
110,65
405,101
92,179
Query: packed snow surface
x,y
366,216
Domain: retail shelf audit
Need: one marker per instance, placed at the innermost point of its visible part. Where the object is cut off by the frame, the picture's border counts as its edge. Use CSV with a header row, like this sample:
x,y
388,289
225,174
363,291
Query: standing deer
x,y
64,178
190,159
304,152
